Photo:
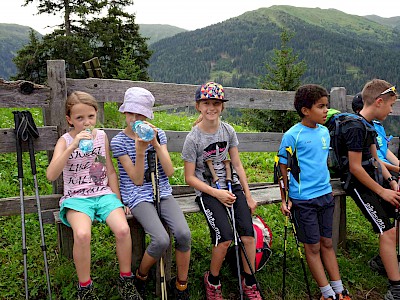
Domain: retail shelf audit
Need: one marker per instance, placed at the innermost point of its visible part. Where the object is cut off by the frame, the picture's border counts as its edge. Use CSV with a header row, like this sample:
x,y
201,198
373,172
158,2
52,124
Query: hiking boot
x,y
323,298
376,265
393,293
344,295
176,293
251,292
87,292
140,287
213,292
127,289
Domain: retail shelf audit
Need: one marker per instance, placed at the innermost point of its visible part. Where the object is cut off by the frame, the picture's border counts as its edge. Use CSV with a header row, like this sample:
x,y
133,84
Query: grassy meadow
x,y
362,243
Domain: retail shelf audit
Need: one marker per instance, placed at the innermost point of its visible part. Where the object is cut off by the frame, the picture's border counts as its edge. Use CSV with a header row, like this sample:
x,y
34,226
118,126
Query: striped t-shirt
x,y
85,175
132,194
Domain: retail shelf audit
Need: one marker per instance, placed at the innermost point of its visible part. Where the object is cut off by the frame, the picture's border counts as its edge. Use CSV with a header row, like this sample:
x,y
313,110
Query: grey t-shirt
x,y
200,147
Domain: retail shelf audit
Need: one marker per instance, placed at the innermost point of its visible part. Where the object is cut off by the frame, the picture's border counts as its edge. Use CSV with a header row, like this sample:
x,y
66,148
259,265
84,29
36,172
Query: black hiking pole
x,y
21,197
152,161
289,217
26,131
215,179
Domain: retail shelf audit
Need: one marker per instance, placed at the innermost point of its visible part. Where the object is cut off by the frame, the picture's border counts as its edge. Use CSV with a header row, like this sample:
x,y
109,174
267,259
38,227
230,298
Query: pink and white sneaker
x,y
251,292
213,292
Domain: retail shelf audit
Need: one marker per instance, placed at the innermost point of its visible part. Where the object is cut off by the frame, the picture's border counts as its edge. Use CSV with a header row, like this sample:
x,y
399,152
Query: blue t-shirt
x,y
310,147
382,141
132,194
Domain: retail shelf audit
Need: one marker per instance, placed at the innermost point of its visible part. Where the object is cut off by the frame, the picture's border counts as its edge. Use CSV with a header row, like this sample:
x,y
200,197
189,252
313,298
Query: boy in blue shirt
x,y
310,193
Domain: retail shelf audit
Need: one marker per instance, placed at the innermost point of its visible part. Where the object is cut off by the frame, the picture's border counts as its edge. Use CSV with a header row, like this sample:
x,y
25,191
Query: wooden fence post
x,y
54,115
338,99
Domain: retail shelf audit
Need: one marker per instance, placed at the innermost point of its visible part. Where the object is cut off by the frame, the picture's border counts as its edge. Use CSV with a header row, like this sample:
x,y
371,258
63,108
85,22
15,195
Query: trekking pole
x,y
228,180
215,179
282,186
229,184
289,215
21,197
153,162
32,126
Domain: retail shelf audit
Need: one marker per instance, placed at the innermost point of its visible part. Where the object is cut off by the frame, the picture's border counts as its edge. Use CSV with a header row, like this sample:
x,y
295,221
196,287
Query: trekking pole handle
x,y
228,170
18,144
215,178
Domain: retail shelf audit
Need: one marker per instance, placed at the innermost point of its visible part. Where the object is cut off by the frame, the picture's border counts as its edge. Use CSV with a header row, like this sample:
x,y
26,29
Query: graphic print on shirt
x,y
217,153
97,170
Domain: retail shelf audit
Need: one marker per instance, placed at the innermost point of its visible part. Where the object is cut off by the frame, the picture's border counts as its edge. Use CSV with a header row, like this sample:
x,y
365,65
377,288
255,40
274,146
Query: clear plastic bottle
x,y
143,130
86,145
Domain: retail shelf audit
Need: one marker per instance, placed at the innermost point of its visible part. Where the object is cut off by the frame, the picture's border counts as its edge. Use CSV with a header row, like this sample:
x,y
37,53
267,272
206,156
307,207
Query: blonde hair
x,y
200,117
373,89
79,97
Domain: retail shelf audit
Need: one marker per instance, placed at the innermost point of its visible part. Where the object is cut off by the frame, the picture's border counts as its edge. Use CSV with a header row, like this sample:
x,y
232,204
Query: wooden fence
x,y
51,99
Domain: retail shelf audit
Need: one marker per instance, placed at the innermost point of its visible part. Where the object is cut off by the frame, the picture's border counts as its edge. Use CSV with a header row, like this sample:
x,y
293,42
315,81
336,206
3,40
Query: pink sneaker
x,y
251,292
213,292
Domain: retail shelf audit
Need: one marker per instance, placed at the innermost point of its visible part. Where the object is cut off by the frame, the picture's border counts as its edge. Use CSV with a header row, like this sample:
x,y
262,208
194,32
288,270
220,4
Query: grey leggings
x,y
171,213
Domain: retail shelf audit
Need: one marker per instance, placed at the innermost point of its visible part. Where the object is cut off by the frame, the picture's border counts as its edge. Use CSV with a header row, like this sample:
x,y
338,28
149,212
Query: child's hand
x,y
127,210
83,135
286,209
393,197
225,197
252,204
141,145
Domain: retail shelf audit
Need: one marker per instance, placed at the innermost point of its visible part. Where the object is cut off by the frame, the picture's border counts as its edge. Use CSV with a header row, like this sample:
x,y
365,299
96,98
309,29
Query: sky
x,y
194,14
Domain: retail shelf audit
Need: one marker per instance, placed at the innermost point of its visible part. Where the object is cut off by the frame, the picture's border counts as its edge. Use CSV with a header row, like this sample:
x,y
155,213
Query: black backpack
x,y
339,164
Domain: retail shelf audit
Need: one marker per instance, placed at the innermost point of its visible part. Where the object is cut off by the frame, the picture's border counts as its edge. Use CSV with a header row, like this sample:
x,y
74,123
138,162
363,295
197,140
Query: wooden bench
x,y
263,193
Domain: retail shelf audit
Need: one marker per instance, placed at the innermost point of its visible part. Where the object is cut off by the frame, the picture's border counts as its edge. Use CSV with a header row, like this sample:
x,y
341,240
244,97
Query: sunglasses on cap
x,y
389,90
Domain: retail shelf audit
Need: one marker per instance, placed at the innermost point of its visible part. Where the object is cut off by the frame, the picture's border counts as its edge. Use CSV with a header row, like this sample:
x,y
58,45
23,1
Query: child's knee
x,y
248,240
224,245
312,249
326,243
82,236
122,232
161,242
183,239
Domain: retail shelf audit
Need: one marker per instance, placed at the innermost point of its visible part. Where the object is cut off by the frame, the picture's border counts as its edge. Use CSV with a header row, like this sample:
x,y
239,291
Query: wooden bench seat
x,y
263,193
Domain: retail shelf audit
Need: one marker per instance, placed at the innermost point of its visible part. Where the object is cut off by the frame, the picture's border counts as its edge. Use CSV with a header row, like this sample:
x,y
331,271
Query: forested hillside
x,y
339,49
12,38
156,32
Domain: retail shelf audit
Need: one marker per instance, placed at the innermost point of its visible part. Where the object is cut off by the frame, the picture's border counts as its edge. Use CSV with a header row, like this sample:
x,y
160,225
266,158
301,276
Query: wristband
x,y
391,178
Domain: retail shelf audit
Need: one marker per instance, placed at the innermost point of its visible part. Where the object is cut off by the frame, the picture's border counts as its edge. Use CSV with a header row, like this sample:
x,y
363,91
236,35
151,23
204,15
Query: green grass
x,y
362,243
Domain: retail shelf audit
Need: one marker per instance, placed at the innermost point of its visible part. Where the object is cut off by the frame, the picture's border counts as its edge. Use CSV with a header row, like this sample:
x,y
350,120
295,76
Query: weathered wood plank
x,y
248,141
23,94
47,139
11,205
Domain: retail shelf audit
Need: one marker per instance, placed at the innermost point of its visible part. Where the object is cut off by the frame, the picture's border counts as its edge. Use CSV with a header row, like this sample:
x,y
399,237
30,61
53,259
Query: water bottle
x,y
143,130
86,145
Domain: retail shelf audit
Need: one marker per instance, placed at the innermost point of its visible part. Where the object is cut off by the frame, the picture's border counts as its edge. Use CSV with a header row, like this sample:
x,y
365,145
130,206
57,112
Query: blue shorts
x,y
95,207
313,218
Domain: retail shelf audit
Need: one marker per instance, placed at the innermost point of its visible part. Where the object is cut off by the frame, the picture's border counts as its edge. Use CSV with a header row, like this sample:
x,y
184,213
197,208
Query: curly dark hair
x,y
307,95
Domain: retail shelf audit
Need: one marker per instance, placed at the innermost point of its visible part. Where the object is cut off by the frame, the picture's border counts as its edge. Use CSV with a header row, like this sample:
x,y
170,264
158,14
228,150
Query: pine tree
x,y
284,75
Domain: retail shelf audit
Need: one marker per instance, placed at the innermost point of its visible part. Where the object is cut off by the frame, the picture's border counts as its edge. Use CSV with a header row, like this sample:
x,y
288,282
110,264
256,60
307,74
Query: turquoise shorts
x,y
97,208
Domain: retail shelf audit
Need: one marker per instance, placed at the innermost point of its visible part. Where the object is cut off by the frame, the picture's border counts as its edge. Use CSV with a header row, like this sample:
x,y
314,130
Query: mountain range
x,y
339,49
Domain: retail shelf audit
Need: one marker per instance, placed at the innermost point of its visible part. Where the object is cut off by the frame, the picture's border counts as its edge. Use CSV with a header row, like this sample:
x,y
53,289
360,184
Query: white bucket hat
x,y
138,100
